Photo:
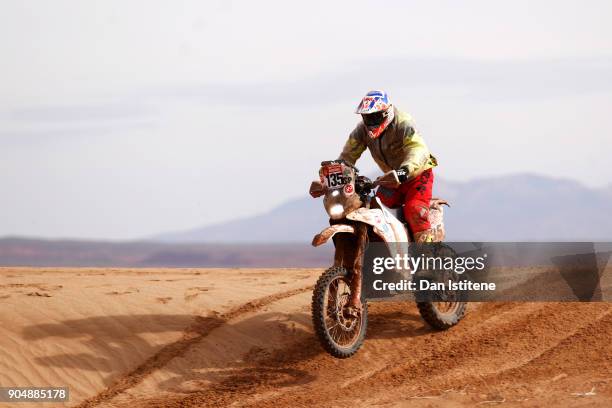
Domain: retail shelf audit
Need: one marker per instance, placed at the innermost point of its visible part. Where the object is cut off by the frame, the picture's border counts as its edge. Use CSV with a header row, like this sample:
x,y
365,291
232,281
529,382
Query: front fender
x,y
385,225
324,236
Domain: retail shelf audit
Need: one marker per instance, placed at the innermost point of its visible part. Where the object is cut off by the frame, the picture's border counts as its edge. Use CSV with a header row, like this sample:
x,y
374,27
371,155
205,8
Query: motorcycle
x,y
357,217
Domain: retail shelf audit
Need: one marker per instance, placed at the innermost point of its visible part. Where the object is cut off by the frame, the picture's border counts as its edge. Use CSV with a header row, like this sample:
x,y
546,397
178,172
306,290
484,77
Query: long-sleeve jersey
x,y
400,146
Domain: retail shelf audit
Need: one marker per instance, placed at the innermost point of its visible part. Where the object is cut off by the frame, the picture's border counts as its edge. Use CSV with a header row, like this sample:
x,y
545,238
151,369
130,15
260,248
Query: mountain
x,y
523,207
527,207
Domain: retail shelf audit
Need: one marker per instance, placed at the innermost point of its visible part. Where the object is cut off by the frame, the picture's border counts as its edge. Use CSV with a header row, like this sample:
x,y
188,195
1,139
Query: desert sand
x,y
242,337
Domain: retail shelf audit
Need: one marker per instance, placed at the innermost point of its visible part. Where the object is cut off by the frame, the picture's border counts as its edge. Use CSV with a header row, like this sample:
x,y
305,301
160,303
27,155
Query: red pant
x,y
415,195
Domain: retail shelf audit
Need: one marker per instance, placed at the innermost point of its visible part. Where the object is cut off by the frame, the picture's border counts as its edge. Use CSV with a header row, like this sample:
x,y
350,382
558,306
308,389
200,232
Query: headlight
x,y
336,210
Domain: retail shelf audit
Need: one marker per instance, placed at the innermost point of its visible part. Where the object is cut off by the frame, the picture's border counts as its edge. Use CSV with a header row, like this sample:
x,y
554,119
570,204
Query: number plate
x,y
333,176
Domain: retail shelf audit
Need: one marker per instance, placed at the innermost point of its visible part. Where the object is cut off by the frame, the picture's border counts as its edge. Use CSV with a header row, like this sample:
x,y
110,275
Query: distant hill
x,y
524,207
65,253
294,221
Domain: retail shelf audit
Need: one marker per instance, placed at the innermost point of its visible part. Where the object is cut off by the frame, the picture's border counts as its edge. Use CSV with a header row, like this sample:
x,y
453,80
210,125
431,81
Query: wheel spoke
x,y
342,331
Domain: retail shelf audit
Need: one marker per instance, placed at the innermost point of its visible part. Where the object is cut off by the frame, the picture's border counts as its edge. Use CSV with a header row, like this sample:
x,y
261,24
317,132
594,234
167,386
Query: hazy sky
x,y
122,119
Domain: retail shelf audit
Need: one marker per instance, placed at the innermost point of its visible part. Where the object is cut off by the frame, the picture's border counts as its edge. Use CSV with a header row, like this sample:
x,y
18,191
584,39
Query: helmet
x,y
377,112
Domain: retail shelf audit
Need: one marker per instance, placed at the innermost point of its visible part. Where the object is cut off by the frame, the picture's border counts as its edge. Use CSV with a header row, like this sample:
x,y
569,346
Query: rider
x,y
396,147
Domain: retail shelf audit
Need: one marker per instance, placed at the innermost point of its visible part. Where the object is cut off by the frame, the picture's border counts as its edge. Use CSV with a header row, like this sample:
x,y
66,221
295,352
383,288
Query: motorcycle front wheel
x,y
339,335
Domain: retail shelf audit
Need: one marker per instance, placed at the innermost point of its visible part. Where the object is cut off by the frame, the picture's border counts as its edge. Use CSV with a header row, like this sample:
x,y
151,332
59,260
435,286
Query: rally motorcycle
x,y
357,217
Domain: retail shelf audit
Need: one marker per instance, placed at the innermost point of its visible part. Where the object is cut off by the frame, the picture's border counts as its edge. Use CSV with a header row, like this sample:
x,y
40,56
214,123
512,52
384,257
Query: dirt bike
x,y
357,217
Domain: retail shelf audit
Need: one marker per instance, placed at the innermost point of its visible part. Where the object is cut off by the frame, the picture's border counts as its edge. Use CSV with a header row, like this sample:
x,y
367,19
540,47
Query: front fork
x,y
351,257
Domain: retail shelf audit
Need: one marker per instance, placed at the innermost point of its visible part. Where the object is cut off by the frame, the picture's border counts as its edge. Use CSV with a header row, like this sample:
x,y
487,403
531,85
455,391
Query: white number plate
x,y
333,176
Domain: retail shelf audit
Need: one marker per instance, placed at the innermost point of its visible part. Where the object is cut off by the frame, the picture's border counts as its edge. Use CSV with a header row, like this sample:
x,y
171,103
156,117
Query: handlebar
x,y
363,185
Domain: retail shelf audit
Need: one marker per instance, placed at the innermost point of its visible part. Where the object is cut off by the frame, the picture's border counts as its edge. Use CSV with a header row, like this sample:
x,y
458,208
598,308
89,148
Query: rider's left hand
x,y
390,179
402,174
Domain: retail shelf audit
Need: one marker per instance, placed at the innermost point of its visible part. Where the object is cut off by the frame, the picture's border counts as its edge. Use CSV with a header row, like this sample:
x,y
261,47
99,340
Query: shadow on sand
x,y
286,361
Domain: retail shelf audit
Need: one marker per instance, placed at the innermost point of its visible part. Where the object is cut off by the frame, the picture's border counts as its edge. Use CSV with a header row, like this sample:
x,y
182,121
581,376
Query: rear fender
x,y
436,218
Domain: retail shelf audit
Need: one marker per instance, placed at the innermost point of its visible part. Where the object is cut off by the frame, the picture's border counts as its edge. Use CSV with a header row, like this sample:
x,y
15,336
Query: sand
x,y
242,337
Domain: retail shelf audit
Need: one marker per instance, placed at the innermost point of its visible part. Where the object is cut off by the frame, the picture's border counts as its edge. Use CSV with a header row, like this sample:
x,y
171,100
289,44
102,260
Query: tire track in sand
x,y
321,374
442,360
191,336
472,357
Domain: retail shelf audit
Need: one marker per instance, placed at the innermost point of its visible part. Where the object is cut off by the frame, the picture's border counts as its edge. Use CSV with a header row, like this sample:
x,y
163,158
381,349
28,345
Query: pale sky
x,y
124,119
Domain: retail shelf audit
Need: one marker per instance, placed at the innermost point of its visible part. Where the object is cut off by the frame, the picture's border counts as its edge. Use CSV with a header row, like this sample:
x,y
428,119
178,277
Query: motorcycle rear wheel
x,y
450,306
340,336
442,315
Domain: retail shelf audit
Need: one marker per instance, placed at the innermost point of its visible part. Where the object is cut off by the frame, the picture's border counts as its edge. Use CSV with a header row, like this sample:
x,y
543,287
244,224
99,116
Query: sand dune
x,y
219,337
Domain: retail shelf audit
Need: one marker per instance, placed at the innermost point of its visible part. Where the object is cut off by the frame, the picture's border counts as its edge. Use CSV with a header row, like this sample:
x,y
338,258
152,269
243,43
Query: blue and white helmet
x,y
374,101
376,111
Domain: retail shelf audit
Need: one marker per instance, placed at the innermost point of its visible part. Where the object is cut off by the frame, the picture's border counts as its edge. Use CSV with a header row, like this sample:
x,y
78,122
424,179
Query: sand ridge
x,y
238,337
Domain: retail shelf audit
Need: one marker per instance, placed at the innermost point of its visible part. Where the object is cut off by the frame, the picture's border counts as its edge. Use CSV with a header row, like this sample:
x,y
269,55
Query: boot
x,y
353,307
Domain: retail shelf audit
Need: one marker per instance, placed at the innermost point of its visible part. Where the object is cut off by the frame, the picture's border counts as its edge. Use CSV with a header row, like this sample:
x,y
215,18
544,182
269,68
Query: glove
x,y
403,173
388,180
